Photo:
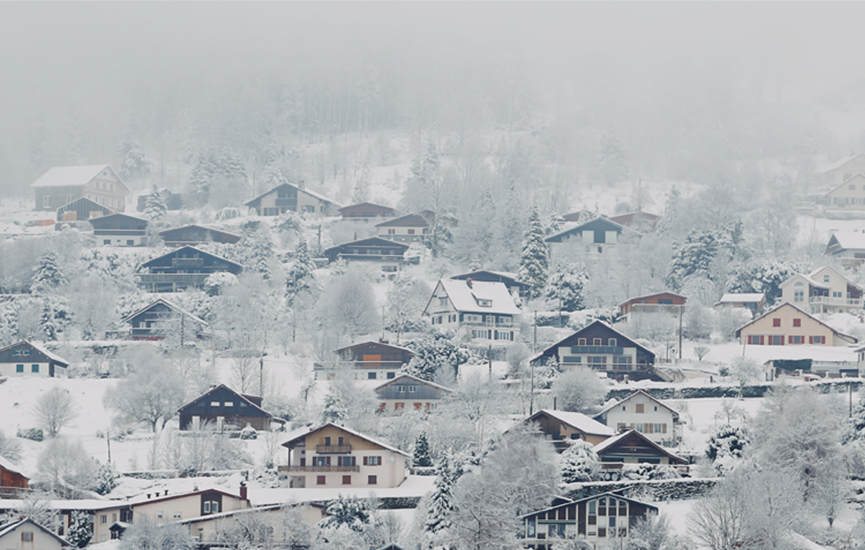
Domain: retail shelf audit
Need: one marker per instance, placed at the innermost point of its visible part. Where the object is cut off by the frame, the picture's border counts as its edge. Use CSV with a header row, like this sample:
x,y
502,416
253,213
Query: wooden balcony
x,y
333,449
319,469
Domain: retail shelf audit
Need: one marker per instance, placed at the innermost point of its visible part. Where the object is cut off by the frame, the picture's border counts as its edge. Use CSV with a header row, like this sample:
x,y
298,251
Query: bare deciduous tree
x,y
54,410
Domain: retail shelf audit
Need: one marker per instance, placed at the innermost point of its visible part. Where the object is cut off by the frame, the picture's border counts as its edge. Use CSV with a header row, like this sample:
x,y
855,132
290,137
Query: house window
x,y
319,480
412,389
19,368
411,231
611,342
816,339
795,339
640,408
400,389
178,515
596,342
797,322
229,403
825,278
391,231
214,403
776,322
659,428
46,201
158,516
798,296
103,519
391,375
34,368
106,241
27,537
755,340
346,480
581,341
372,480
370,376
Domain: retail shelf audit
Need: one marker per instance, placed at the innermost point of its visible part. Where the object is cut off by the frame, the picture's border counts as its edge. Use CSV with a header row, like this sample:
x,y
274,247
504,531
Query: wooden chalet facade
x,y
224,409
153,321
390,254
82,209
119,230
645,414
601,347
661,302
188,235
335,456
366,211
27,359
562,427
508,279
604,520
596,236
409,228
410,393
186,267
11,480
63,184
291,198
633,447
370,360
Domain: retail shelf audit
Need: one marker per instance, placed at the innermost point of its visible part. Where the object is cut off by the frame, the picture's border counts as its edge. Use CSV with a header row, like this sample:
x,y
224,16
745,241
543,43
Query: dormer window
x,y
485,303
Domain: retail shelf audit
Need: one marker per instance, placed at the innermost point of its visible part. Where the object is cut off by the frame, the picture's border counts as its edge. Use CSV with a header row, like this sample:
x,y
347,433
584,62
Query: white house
x,y
824,290
474,309
848,247
28,359
26,534
642,412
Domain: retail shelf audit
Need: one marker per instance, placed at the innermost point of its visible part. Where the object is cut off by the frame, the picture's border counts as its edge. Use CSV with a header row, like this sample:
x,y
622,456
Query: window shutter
x,y
664,429
810,339
366,461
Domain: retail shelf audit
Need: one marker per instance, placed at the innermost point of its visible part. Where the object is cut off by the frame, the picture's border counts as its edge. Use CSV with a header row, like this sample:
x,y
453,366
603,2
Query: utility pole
x,y
182,319
850,396
490,361
532,367
261,375
681,310
108,442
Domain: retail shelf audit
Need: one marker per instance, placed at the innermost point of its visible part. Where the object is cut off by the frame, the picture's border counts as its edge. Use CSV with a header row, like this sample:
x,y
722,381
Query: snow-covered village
x,y
432,276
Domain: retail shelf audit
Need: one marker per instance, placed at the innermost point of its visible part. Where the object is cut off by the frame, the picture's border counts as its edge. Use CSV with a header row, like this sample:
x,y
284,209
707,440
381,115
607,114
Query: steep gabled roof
x,y
167,304
565,502
299,189
636,298
165,232
117,215
366,203
402,379
409,220
54,357
803,312
370,241
858,175
837,164
373,342
73,176
8,528
142,499
575,420
240,396
465,297
807,279
347,430
846,240
611,442
744,297
73,205
7,465
601,220
634,394
202,252
836,272
564,341
502,274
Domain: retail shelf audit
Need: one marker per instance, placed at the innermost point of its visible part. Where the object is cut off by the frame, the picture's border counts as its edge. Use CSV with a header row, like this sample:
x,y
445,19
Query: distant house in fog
x,y
660,302
366,211
752,301
119,230
835,173
389,254
596,236
63,184
152,321
408,228
641,221
410,393
849,195
291,198
173,201
81,209
185,267
196,234
370,360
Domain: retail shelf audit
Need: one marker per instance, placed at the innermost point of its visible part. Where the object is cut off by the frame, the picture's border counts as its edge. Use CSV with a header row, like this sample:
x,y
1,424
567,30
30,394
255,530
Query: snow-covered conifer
x,y
441,501
421,451
579,462
350,512
47,275
535,259
80,529
106,479
566,287
134,163
156,206
301,274
334,408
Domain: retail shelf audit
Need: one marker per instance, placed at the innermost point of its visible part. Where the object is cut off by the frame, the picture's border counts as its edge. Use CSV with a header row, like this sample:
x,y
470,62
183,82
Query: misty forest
x,y
432,276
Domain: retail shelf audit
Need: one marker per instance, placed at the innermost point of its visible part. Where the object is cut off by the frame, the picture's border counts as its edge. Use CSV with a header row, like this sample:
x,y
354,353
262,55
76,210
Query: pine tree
x,y
106,479
350,512
80,529
256,249
434,352
334,409
48,322
134,163
441,502
612,159
567,286
421,452
47,275
156,206
579,462
301,274
535,260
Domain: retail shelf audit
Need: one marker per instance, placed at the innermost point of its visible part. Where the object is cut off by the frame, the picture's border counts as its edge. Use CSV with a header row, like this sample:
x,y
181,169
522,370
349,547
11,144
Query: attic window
x,y
485,303
825,278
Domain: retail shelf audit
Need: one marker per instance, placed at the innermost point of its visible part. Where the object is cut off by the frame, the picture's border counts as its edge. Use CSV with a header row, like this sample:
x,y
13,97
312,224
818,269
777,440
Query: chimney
x,y
148,496
469,282
243,490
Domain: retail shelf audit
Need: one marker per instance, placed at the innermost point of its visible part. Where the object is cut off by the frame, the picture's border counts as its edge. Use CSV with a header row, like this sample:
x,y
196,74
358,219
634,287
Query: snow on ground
x,y
413,486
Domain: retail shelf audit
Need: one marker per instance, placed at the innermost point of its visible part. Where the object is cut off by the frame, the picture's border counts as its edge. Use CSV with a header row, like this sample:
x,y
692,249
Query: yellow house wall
x,y
206,529
836,176
809,327
848,199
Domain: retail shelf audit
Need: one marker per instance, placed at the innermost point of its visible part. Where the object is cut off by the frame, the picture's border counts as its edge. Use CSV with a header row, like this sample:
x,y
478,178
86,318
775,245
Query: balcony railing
x,y
333,448
168,278
486,324
831,301
319,468
385,365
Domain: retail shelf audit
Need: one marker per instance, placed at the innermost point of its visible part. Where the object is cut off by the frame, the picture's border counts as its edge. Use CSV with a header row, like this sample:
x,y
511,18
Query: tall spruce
x,y
155,206
421,452
47,276
80,529
535,259
441,502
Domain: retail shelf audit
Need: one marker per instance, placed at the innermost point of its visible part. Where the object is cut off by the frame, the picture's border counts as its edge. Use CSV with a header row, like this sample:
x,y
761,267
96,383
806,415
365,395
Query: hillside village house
x,y
510,280
645,414
848,247
604,521
11,479
335,456
633,447
410,393
207,530
823,290
155,320
290,198
409,228
119,230
849,195
752,301
366,211
26,534
787,325
63,184
835,173
185,267
474,309
595,236
661,302
196,234
81,209
173,201
640,221
603,348
389,254
28,359
370,360
224,408
562,427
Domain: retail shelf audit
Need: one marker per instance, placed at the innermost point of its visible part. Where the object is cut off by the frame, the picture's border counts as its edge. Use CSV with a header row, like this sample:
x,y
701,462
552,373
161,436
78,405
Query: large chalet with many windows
x,y
157,319
642,412
119,230
28,359
410,393
823,290
335,456
514,285
603,348
474,309
603,520
370,360
389,254
595,236
225,408
64,184
787,325
186,267
408,228
633,447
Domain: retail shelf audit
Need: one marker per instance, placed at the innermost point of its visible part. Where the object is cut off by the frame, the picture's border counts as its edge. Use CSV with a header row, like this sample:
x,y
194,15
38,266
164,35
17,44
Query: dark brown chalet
x,y
196,234
186,267
82,209
366,210
408,228
661,302
603,348
380,359
27,359
119,230
407,392
373,249
152,322
632,447
600,519
509,279
11,480
223,407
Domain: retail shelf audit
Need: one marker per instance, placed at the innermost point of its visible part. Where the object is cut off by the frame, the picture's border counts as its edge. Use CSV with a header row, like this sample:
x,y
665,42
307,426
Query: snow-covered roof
x,y
155,496
77,504
170,306
7,465
744,297
414,379
53,356
847,240
836,272
408,220
807,279
803,312
6,529
300,189
465,296
607,443
72,176
636,393
349,430
828,167
578,421
646,296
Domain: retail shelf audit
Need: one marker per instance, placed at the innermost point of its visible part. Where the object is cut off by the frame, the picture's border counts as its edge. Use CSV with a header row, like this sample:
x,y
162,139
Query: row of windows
x,y
20,368
22,352
401,406
346,480
612,342
639,408
778,339
224,404
374,375
493,334
777,322
643,428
